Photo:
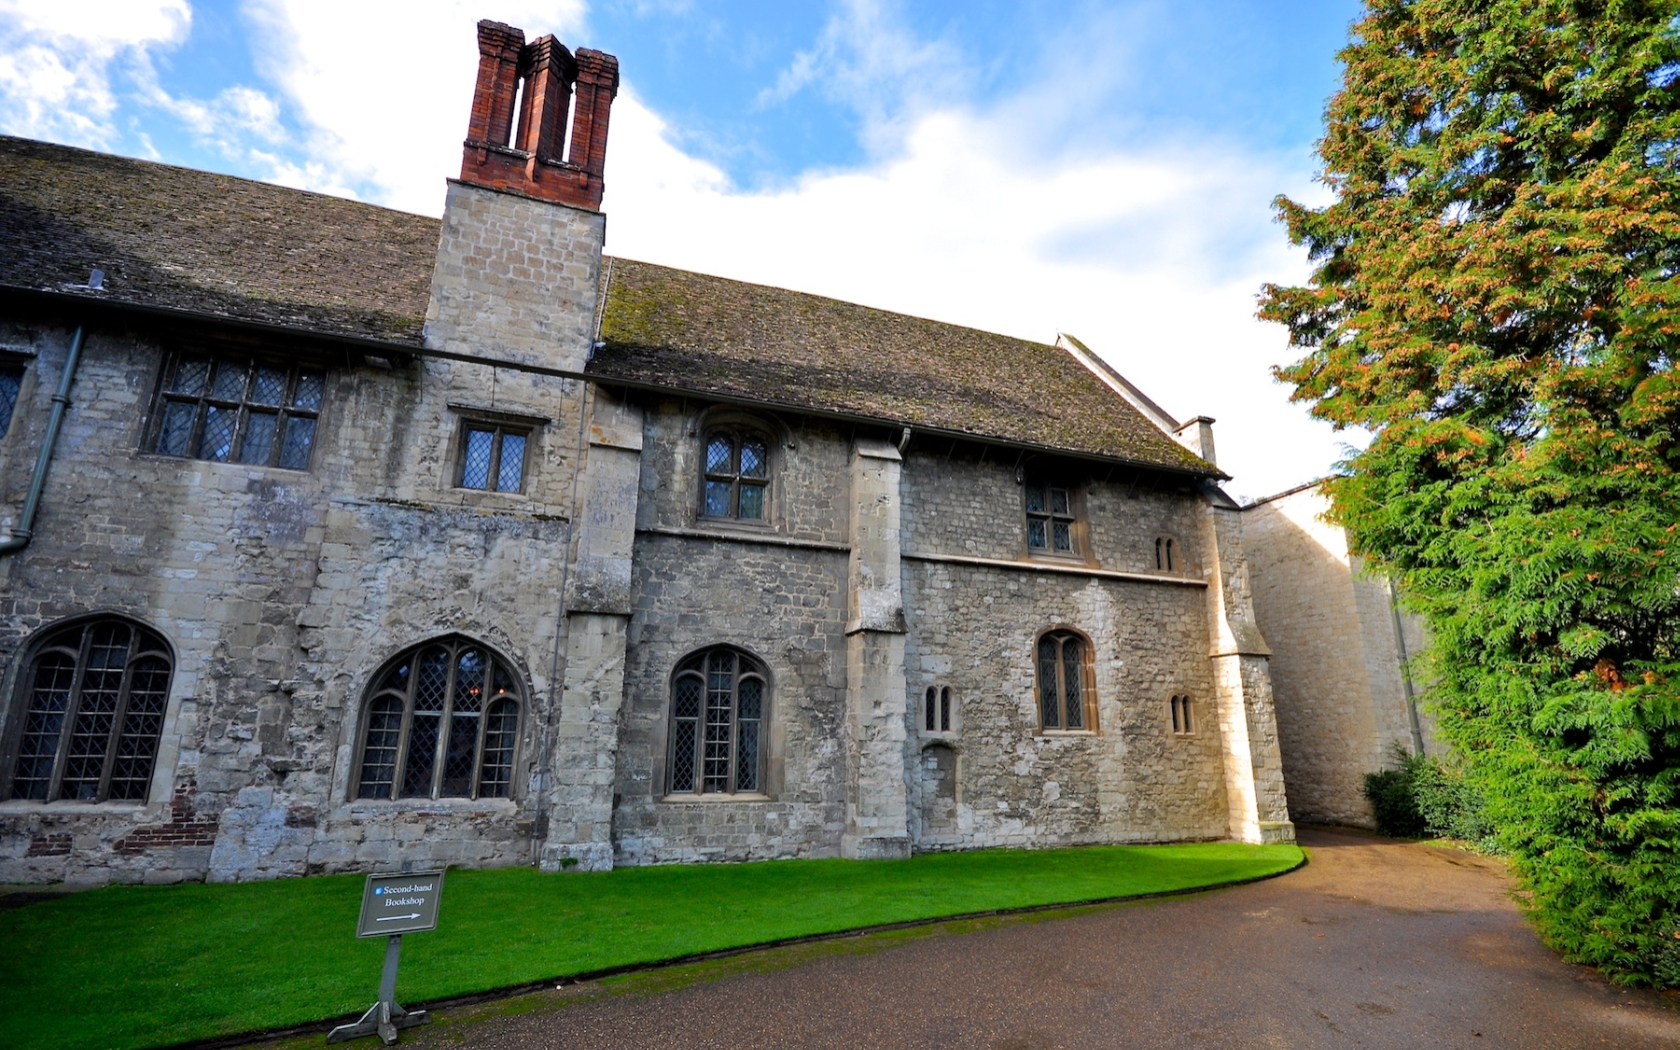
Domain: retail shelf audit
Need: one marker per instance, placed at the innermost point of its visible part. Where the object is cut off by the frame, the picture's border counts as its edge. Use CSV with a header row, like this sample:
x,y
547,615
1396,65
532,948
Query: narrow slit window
x,y
936,709
719,706
238,410
1050,518
1166,558
492,458
1181,716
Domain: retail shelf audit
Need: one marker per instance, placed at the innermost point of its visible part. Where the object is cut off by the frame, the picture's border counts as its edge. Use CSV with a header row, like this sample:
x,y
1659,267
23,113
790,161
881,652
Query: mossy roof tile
x,y
180,239
675,328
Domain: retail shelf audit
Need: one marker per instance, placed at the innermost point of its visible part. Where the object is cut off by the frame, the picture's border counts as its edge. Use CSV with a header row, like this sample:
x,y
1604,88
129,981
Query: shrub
x,y
1422,795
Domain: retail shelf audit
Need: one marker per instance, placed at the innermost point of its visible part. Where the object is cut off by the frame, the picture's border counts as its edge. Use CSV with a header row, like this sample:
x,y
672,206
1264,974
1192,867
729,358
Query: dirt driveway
x,y
1373,944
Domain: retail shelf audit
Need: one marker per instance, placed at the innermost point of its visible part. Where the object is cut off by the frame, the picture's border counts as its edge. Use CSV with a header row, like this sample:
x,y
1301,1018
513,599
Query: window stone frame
x,y
1061,633
747,667
206,398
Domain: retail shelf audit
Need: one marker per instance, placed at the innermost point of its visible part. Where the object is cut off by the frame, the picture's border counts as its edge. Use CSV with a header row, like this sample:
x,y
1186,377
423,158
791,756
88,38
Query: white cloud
x,y
1152,257
385,86
57,59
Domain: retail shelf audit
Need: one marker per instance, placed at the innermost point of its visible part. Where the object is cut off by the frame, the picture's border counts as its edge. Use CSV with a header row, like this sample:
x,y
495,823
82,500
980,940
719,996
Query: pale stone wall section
x,y
1336,670
877,821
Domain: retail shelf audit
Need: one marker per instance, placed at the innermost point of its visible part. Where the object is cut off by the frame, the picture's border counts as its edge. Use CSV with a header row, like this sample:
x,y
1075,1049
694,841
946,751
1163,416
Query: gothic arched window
x,y
1064,700
441,722
719,700
737,474
92,703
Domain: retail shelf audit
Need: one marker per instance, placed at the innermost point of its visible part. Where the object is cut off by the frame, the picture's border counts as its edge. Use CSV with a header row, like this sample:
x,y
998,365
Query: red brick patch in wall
x,y
184,827
49,846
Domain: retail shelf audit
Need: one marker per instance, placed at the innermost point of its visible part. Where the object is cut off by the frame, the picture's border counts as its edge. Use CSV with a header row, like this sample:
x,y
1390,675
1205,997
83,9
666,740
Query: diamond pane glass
x,y
945,710
510,470
686,704
717,499
501,680
1049,695
230,381
1035,499
96,713
929,711
746,755
1059,501
270,387
217,443
752,502
1061,535
258,445
495,778
752,459
682,757
749,702
190,375
458,756
433,683
422,755
308,394
475,467
176,430
148,693
469,681
294,449
11,380
1169,556
49,698
396,679
1073,681
1036,533
379,755
720,456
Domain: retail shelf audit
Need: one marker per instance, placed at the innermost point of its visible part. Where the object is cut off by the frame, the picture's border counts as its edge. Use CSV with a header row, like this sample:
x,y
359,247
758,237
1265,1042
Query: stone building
x,y
343,538
1341,648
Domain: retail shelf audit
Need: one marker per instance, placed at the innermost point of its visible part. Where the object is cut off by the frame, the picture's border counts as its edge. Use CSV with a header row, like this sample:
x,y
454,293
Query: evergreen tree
x,y
1495,297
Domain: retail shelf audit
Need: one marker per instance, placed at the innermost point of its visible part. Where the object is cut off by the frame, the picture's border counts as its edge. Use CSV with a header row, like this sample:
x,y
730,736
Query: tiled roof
x,y
212,244
688,331
179,239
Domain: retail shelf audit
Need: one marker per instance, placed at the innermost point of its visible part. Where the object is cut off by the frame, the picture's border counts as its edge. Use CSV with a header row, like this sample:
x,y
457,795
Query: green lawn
x,y
143,966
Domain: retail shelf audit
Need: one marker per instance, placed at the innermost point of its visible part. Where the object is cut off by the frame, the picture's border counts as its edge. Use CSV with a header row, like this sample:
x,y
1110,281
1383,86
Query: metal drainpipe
x,y
25,527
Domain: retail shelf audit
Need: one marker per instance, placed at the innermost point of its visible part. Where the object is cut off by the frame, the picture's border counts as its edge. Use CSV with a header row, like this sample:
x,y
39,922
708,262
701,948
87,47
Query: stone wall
x,y
1336,671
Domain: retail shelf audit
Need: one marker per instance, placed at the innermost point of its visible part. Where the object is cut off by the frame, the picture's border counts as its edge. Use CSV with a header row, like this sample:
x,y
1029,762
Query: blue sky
x,y
1101,168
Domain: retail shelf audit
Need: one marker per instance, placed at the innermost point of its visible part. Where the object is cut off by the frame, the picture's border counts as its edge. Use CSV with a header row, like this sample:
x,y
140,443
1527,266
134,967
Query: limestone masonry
x,y
343,540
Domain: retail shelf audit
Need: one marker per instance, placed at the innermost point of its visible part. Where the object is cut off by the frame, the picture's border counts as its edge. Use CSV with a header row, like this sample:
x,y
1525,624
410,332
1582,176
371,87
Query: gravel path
x,y
1373,944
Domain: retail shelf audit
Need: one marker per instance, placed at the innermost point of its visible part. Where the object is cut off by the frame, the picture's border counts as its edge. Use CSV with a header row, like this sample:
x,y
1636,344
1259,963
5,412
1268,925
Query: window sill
x,y
715,797
64,808
433,806
1067,732
219,464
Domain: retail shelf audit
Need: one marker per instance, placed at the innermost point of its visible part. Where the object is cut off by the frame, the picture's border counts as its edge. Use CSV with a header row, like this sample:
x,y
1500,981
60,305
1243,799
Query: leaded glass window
x,y
1050,518
718,710
442,722
236,410
92,708
737,475
1062,680
493,457
11,381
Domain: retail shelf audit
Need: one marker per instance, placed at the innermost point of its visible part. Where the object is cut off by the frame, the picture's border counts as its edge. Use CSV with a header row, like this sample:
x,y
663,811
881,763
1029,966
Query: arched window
x,y
1167,559
737,474
1063,700
719,701
936,709
1181,718
93,697
442,722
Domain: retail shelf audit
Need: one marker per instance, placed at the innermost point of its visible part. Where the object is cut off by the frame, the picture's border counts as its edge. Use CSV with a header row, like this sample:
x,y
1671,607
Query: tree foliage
x,y
1495,298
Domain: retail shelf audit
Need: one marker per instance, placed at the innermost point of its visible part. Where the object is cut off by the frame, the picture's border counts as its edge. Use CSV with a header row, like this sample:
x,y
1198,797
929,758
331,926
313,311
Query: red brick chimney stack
x,y
531,159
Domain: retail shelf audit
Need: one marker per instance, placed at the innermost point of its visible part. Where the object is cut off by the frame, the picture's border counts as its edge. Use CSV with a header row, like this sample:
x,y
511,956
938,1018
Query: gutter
x,y
25,528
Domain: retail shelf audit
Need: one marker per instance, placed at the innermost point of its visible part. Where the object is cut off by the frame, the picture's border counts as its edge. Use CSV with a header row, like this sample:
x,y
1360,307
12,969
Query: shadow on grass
x,y
147,966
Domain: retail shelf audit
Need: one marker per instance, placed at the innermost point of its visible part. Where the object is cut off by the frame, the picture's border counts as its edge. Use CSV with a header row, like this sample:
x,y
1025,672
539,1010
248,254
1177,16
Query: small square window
x,y
1050,518
492,457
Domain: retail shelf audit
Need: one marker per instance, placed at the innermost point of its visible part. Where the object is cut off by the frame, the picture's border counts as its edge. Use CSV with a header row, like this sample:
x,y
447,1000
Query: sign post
x,y
393,904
